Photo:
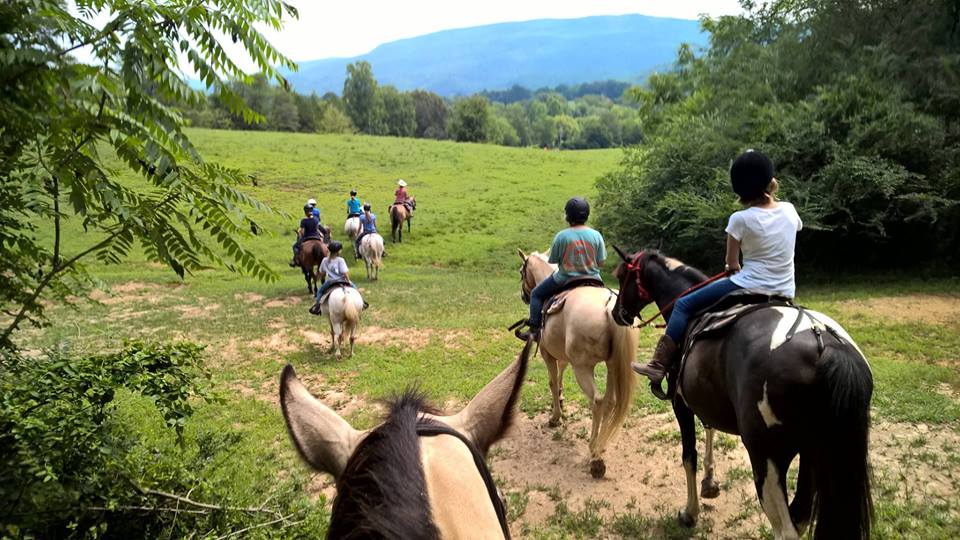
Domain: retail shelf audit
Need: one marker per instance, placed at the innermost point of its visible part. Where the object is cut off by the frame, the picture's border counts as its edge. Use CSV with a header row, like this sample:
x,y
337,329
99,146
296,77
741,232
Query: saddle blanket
x,y
323,299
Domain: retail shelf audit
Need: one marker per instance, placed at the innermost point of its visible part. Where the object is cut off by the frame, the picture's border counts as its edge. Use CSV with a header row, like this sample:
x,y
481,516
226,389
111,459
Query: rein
x,y
637,266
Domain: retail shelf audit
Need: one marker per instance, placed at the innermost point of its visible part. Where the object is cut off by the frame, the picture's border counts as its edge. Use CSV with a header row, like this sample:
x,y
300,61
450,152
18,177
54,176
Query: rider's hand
x,y
731,269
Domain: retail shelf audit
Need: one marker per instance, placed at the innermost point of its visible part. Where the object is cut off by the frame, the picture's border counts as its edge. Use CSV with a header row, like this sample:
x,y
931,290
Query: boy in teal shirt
x,y
578,251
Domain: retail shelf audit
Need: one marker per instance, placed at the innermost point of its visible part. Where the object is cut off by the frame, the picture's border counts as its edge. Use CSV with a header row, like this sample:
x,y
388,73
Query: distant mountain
x,y
534,54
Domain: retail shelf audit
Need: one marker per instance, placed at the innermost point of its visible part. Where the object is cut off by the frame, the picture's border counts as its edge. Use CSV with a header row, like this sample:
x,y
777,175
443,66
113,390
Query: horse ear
x,y
523,256
621,253
323,439
490,413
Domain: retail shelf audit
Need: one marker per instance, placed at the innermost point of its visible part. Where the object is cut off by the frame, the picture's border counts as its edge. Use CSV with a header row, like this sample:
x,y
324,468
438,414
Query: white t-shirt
x,y
336,269
767,239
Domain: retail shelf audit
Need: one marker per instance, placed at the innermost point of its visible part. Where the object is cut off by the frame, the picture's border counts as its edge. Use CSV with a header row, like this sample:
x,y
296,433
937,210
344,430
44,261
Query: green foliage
x,y
360,99
854,110
471,119
61,120
400,114
61,447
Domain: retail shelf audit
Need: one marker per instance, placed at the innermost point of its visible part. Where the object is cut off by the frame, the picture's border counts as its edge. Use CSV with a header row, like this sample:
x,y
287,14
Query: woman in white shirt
x,y
765,231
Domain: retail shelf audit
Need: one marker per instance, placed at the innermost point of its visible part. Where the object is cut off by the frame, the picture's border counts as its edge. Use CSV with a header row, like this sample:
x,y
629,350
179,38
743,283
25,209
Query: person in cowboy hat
x,y
400,195
578,251
353,205
765,231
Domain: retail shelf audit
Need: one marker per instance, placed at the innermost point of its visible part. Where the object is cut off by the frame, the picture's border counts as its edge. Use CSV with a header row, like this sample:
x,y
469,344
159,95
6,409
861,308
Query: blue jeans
x,y
690,304
538,296
330,283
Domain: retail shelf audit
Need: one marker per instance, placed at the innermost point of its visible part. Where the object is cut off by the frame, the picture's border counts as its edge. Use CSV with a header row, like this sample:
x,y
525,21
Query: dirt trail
x,y
921,308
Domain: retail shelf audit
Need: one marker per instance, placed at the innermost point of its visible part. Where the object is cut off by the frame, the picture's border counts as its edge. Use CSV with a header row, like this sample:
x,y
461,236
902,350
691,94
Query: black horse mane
x,y
689,273
382,492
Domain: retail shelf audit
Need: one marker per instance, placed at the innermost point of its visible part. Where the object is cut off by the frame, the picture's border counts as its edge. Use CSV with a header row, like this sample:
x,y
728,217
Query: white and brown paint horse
x,y
582,335
418,474
787,386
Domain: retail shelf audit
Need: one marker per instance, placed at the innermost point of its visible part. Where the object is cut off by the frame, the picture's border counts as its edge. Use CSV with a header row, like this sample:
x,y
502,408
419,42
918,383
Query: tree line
x,y
857,103
580,116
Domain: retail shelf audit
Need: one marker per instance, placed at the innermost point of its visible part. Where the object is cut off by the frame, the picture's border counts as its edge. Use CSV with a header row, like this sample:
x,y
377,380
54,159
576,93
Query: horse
x,y
312,252
398,214
416,475
351,228
583,334
342,308
371,250
788,385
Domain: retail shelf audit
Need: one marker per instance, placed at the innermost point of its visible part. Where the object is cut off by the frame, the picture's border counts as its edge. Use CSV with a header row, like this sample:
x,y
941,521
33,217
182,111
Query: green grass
x,y
445,297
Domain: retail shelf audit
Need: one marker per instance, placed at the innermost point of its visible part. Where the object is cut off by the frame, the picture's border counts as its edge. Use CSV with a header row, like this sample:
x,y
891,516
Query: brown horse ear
x,y
523,256
621,253
490,413
323,439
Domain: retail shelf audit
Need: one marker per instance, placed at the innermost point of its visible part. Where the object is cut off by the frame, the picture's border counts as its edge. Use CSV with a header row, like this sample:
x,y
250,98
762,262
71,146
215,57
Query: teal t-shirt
x,y
353,206
578,251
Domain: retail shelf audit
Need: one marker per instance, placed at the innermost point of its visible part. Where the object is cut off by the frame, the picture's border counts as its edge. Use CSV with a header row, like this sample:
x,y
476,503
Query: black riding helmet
x,y
577,210
335,246
353,193
750,174
366,207
307,209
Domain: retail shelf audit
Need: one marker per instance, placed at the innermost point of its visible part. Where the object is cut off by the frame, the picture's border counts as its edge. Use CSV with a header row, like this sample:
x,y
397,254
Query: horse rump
x,y
843,504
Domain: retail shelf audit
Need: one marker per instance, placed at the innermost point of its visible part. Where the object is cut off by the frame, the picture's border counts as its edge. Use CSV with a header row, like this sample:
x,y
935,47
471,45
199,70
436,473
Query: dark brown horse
x,y
312,252
417,475
398,214
788,384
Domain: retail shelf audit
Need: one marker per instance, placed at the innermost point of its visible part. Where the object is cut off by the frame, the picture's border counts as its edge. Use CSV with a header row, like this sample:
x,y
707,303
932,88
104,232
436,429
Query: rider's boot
x,y
315,309
658,366
530,332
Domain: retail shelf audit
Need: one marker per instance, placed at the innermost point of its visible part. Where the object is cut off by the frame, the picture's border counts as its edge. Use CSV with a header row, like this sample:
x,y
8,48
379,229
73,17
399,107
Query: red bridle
x,y
636,265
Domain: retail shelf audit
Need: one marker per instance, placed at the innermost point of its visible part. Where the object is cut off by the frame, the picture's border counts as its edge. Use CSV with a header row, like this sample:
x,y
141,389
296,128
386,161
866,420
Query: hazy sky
x,y
354,27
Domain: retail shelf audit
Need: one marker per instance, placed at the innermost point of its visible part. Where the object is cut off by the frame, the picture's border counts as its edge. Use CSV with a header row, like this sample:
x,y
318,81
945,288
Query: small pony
x,y
418,474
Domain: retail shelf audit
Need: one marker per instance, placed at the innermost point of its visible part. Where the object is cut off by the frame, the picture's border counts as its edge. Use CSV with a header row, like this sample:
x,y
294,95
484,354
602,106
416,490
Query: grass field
x,y
437,318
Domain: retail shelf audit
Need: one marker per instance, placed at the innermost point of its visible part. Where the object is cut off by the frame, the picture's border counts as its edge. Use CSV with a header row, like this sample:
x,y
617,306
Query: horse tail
x,y
618,397
843,505
350,312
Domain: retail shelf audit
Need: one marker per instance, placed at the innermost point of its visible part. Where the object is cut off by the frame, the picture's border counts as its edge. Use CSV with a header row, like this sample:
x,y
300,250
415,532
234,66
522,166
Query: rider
x,y
578,251
333,270
765,231
324,231
368,224
400,195
309,230
353,205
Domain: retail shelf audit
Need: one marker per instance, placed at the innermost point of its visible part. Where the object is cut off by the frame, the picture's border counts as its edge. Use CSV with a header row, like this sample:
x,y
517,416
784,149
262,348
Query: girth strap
x,y
431,428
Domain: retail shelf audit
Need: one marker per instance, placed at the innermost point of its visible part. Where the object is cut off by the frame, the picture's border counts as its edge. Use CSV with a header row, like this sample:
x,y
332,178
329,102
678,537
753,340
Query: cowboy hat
x,y
401,183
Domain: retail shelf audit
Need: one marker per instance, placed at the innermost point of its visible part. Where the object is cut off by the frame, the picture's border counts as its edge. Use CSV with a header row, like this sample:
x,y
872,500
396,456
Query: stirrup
x,y
315,309
656,389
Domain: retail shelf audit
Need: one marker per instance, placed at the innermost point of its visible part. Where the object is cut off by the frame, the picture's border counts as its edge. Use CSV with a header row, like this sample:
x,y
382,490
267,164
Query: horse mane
x,y
382,492
543,257
676,266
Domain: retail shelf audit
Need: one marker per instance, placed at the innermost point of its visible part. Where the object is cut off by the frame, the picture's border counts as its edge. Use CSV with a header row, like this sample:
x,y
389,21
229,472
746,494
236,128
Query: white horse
x,y
371,250
351,228
342,308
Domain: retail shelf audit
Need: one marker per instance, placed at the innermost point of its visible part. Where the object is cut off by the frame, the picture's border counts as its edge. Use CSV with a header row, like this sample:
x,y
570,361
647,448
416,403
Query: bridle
x,y
432,428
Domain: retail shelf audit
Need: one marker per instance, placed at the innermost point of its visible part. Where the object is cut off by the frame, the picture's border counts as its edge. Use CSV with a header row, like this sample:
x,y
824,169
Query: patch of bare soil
x,y
922,308
288,301
645,475
130,292
196,312
249,298
411,338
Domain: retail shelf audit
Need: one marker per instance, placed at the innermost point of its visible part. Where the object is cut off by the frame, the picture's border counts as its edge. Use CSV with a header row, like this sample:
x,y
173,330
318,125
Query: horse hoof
x,y
709,490
686,519
598,468
554,422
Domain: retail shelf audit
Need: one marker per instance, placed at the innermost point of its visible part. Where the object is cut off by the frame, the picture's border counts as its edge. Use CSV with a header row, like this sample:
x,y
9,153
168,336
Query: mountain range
x,y
534,54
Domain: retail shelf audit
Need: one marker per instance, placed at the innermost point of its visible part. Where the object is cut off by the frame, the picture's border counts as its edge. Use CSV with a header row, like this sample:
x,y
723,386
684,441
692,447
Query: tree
x,y
63,120
284,115
361,98
471,119
399,112
432,114
334,120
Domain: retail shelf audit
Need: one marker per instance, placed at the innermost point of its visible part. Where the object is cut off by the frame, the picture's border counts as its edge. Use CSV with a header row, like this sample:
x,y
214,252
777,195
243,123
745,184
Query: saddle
x,y
339,285
555,303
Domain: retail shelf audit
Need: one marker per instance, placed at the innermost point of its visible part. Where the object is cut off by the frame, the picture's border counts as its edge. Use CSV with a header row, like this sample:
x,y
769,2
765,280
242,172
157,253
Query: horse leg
x,y
588,384
338,340
709,488
556,383
333,337
802,505
770,478
688,441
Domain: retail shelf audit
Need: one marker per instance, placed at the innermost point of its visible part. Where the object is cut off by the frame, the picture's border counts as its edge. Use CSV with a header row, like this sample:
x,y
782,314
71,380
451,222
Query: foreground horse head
x,y
583,334
789,383
417,475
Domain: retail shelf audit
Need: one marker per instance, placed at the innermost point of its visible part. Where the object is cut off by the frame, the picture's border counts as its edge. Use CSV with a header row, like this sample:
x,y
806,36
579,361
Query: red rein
x,y
637,266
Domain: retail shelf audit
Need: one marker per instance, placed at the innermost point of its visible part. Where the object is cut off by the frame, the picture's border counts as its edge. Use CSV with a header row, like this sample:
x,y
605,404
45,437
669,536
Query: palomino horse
x,y
398,214
371,250
417,475
583,334
311,254
342,308
787,384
